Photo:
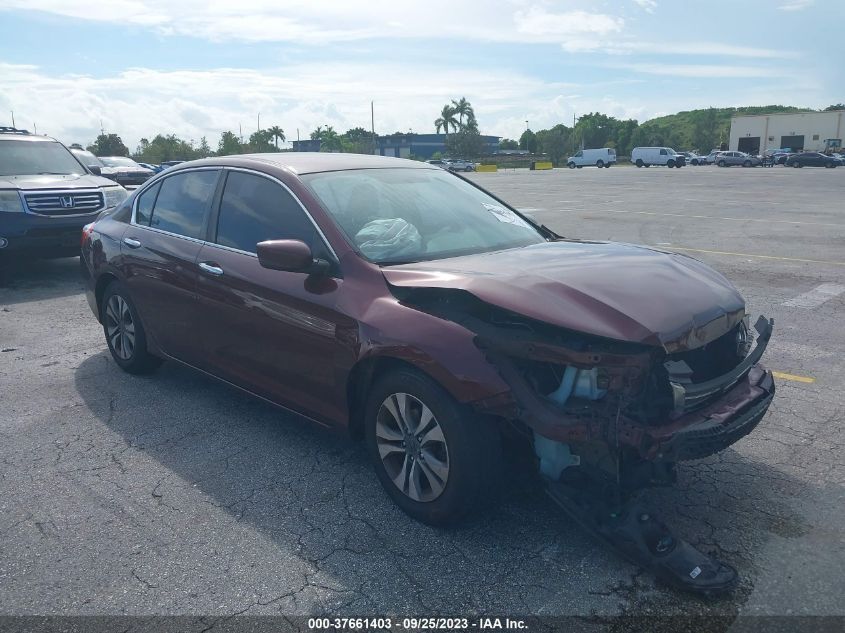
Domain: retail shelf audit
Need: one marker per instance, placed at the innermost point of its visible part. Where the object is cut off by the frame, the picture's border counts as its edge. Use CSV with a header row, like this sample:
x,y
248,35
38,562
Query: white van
x,y
663,156
603,157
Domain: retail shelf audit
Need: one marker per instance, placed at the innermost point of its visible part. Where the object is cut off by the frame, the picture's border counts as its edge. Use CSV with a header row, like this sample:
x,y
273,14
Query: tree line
x,y
701,130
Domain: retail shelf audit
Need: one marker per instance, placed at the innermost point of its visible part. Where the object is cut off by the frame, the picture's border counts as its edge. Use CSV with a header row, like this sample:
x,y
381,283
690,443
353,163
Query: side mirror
x,y
289,255
95,169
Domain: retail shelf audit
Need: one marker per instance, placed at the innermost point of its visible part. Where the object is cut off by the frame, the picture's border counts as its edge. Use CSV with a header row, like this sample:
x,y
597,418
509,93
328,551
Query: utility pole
x,y
259,121
373,123
102,129
241,133
526,125
13,118
34,128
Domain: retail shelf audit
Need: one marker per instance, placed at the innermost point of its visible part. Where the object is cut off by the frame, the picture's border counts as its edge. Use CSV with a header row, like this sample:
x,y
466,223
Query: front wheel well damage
x,y
361,378
100,289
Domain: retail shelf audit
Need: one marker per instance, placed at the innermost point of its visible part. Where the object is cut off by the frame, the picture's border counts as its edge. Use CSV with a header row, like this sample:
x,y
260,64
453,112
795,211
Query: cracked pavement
x,y
173,494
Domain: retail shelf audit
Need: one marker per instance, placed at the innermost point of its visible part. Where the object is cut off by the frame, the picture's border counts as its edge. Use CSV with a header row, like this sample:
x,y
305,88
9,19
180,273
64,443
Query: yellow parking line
x,y
785,259
793,377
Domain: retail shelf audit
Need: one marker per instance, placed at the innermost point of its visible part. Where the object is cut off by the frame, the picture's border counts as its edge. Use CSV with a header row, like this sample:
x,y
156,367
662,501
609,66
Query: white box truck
x,y
602,157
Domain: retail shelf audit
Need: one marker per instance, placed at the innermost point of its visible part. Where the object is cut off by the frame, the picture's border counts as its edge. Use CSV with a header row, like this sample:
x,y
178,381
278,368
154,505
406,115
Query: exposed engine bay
x,y
608,418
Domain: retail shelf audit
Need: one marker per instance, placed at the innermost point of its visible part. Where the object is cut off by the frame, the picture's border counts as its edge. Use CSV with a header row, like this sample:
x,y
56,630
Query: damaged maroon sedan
x,y
425,315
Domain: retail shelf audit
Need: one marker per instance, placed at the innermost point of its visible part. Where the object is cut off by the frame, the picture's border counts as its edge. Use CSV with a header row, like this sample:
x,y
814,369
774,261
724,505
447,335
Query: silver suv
x,y
459,164
728,159
46,196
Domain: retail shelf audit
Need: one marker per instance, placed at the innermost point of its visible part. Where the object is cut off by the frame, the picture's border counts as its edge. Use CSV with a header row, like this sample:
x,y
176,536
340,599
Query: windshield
x,y
395,216
28,158
87,157
118,161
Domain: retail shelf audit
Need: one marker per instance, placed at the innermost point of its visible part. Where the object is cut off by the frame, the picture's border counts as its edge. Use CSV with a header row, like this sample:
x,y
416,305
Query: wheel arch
x,y
103,282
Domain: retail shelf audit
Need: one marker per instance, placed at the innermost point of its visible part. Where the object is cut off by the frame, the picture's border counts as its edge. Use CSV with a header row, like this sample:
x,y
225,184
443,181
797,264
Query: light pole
x,y
526,125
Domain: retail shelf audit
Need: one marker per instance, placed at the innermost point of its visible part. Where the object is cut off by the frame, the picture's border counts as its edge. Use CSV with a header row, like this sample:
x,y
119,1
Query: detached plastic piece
x,y
635,534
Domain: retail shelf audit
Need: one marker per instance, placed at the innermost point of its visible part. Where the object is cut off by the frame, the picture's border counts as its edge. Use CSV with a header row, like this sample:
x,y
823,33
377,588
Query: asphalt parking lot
x,y
172,494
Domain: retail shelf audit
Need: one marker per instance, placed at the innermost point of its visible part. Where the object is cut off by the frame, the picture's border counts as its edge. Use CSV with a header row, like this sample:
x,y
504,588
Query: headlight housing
x,y
114,196
10,202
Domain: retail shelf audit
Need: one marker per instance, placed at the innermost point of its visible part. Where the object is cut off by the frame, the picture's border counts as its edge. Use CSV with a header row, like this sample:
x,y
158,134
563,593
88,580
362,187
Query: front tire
x,y
747,163
670,163
571,165
639,162
435,459
124,332
721,163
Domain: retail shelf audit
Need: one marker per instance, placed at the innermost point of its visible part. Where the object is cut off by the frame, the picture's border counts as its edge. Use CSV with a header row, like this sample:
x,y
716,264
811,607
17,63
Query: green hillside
x,y
701,130
698,129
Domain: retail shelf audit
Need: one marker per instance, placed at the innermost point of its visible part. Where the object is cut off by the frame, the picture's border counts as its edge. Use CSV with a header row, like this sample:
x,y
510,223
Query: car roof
x,y
312,162
33,138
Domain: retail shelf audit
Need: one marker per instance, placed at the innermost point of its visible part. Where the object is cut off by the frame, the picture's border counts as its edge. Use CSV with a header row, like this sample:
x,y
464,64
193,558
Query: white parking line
x,y
815,297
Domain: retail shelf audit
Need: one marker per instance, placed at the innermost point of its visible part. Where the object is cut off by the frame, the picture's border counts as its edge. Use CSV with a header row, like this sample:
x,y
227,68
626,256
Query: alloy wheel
x,y
120,327
412,447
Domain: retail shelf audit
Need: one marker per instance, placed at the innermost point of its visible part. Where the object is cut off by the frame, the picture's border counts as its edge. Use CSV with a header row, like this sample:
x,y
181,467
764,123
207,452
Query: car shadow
x,y
312,493
24,280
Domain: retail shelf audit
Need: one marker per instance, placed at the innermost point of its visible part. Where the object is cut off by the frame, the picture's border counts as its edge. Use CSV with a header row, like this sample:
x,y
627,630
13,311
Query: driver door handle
x,y
211,268
131,243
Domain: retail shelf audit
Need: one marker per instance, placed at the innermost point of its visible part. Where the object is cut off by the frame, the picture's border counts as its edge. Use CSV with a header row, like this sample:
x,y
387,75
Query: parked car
x,y
459,164
344,288
710,159
46,196
438,163
170,163
601,157
663,156
94,164
126,171
692,158
840,158
154,168
811,159
730,159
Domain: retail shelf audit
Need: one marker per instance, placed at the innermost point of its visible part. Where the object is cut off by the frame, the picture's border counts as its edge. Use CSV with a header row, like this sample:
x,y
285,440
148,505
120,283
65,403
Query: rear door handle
x,y
211,268
131,243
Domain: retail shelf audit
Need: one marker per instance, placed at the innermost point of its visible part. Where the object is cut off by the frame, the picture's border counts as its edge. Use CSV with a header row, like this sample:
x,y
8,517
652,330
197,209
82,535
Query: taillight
x,y
86,233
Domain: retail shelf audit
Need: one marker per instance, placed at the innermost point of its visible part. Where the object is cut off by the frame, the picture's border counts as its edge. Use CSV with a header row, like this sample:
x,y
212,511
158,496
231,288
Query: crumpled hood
x,y
618,291
65,181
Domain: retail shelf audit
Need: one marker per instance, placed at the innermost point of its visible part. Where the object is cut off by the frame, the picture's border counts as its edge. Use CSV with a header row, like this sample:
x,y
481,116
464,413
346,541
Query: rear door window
x,y
145,205
254,209
183,202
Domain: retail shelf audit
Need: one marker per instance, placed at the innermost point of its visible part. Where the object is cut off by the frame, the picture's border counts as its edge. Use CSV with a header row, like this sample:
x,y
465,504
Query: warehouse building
x,y
798,131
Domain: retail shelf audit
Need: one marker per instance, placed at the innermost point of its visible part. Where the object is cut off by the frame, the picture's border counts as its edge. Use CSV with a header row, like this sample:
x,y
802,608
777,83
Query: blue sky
x,y
199,67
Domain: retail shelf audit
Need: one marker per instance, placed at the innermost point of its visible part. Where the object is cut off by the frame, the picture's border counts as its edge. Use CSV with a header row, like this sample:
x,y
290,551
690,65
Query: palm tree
x,y
463,109
446,120
277,134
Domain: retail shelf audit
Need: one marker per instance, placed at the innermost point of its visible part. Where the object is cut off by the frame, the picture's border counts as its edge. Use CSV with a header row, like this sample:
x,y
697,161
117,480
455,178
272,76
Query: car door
x,y
278,334
159,253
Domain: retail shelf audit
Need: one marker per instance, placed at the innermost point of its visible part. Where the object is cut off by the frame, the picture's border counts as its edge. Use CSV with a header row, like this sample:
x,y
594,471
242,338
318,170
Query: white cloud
x,y
647,5
142,102
704,71
326,21
795,5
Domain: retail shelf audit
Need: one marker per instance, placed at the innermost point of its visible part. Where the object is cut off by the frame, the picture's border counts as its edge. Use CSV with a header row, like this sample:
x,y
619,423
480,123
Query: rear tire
x,y
608,165
747,163
670,163
721,163
639,162
435,459
599,164
125,335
